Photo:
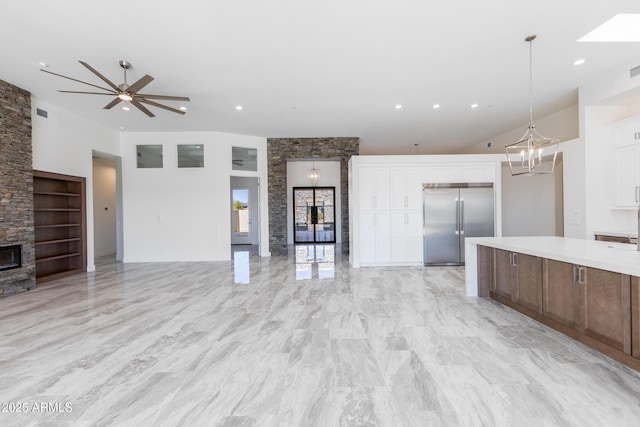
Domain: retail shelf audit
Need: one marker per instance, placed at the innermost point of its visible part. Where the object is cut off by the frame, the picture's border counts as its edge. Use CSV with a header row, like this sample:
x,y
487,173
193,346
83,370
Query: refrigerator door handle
x,y
457,216
461,216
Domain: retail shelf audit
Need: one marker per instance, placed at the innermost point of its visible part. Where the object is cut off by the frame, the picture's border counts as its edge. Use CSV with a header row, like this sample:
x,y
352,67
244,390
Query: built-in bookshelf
x,y
60,225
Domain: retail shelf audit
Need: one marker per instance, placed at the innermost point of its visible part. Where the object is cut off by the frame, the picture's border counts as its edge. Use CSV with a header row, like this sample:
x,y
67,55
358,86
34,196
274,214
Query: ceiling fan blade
x,y
141,107
103,78
88,93
155,104
76,80
112,104
145,80
164,97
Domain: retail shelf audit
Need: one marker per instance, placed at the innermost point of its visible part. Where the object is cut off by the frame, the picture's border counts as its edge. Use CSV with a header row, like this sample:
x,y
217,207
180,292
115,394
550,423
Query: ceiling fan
x,y
126,92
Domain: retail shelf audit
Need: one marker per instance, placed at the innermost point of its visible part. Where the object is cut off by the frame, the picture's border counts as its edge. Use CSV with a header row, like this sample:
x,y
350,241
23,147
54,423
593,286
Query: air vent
x,y
635,71
41,113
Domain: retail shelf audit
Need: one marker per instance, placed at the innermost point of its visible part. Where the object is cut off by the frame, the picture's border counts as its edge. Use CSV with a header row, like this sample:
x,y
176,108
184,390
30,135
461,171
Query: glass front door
x,y
314,214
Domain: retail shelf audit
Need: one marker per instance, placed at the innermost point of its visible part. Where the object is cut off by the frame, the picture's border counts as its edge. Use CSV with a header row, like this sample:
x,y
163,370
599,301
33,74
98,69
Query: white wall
x,y
528,204
297,172
63,143
173,214
104,207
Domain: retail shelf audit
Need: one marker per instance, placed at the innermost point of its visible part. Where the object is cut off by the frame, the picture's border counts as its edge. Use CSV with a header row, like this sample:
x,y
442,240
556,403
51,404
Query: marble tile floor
x,y
188,344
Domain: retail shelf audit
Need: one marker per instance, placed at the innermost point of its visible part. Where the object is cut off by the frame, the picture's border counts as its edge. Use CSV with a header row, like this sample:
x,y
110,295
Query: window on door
x,y
240,216
314,214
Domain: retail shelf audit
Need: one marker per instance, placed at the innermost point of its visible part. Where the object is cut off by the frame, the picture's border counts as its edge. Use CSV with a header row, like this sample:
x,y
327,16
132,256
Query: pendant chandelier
x,y
533,154
313,176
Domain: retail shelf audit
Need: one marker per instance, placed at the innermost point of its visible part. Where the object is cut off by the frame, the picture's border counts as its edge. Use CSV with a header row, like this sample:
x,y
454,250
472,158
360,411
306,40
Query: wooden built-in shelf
x,y
51,193
51,242
57,225
57,210
51,258
60,218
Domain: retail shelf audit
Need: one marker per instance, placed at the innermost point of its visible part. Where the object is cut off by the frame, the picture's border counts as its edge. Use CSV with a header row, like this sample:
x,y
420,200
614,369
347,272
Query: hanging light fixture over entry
x,y
533,154
314,176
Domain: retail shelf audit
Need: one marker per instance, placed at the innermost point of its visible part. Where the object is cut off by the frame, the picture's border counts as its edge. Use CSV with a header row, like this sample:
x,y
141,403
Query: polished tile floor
x,y
292,341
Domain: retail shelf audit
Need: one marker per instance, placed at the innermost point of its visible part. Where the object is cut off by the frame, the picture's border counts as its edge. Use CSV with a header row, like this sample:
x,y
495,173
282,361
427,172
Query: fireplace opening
x,y
10,257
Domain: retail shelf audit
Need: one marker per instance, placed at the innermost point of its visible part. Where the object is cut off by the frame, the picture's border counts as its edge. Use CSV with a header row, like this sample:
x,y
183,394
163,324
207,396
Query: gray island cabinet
x,y
587,290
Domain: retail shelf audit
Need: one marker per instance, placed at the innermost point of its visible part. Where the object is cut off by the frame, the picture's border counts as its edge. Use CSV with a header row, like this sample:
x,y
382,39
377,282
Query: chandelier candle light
x,y
529,155
314,176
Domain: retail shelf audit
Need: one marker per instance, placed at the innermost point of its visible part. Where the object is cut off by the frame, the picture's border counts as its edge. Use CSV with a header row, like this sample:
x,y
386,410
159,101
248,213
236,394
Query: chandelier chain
x,y
531,82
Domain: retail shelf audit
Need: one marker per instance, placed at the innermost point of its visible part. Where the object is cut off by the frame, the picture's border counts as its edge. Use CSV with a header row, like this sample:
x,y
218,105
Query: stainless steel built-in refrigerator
x,y
451,213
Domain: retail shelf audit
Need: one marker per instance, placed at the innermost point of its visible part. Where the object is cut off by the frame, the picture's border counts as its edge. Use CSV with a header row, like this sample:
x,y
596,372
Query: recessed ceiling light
x,y
624,27
579,61
238,107
436,106
122,128
125,108
43,64
473,105
398,106
183,108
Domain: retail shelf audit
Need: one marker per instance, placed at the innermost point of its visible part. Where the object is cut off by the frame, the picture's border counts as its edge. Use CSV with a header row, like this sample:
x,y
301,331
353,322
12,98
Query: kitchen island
x,y
586,289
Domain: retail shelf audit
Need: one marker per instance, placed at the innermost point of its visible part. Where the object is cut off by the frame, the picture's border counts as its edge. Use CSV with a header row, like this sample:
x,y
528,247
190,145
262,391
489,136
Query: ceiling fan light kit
x,y
125,92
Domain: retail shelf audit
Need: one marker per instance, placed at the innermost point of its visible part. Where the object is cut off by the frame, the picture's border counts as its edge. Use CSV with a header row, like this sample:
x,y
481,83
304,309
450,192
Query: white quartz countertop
x,y
618,257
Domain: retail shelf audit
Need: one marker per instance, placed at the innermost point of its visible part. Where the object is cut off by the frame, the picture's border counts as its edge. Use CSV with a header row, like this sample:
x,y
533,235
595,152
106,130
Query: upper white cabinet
x,y
406,187
627,132
627,163
374,188
472,172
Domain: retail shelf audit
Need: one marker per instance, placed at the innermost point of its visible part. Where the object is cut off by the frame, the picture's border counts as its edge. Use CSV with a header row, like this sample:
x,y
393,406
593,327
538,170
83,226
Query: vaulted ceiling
x,y
311,69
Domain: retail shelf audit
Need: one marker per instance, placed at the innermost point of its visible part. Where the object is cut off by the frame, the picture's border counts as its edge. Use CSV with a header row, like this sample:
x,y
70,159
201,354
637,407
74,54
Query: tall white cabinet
x,y
385,198
374,215
406,215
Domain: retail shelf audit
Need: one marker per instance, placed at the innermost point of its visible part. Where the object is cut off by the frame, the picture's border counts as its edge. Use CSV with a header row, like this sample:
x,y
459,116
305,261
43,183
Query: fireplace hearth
x,y
10,257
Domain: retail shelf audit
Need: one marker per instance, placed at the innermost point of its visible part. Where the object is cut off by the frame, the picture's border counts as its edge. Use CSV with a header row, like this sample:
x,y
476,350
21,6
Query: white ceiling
x,y
325,68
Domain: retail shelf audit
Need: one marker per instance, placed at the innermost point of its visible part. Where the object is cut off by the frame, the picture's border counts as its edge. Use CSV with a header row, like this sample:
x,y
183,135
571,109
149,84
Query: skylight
x,y
624,27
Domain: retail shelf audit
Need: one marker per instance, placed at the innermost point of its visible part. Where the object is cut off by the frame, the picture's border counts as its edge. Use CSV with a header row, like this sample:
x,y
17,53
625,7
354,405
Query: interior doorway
x,y
314,214
245,210
107,206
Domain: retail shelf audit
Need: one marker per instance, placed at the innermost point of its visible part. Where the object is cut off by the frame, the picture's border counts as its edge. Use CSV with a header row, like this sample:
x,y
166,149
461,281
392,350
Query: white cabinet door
x,y
413,237
406,187
374,188
367,238
398,236
375,238
406,237
476,173
627,132
439,174
382,222
397,196
413,184
367,188
627,169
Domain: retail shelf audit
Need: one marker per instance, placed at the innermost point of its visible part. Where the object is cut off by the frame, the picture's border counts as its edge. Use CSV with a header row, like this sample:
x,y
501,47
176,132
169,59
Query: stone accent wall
x,y
279,150
16,186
